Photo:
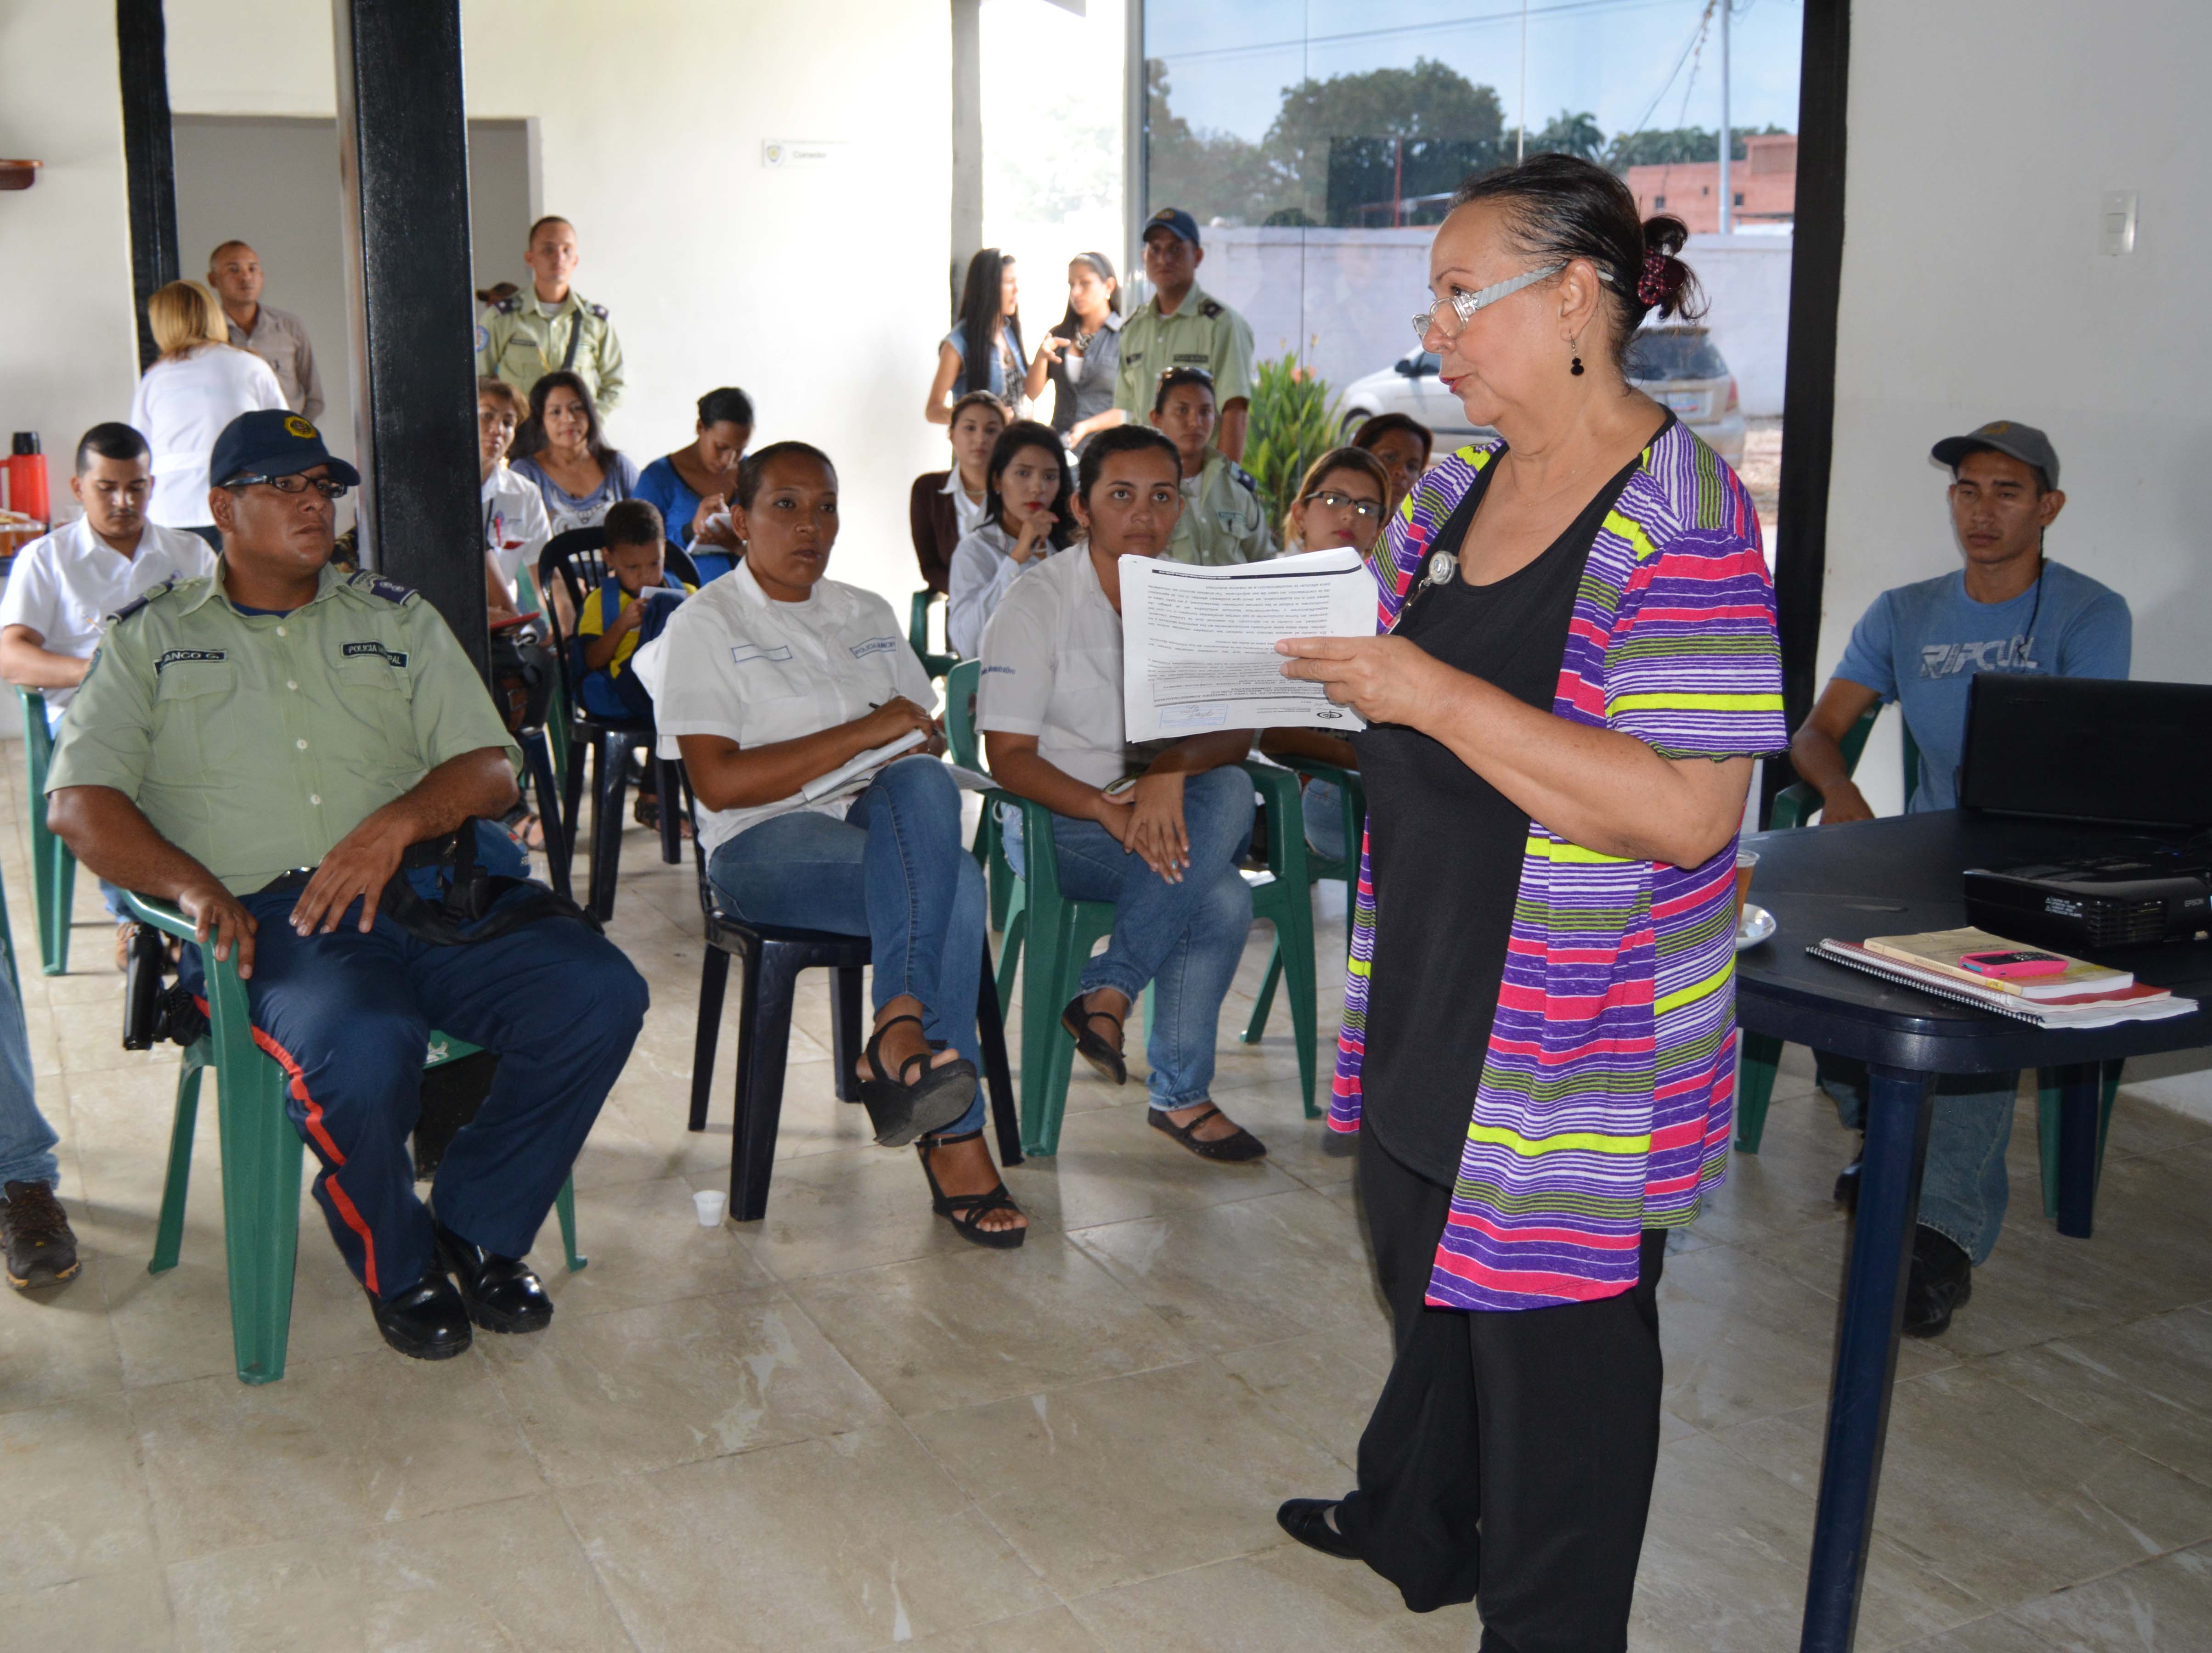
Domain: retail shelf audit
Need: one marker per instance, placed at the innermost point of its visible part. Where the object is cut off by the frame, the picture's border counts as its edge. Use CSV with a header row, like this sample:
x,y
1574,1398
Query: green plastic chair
x,y
1352,794
917,634
1046,937
1283,897
1762,1053
261,1155
53,869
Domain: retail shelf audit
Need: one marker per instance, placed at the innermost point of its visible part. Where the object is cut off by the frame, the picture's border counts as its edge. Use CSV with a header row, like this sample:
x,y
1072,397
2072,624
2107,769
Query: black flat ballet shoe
x,y
501,1294
903,1109
1306,1519
1239,1146
1940,1282
425,1322
1104,1058
966,1212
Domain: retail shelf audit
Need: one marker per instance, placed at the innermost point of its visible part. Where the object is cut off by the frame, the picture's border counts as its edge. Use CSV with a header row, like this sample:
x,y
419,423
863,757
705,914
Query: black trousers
x,y
1508,1461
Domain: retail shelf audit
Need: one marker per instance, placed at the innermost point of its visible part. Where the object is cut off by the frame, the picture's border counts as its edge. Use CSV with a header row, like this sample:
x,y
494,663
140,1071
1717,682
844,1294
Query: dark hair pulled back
x,y
1021,434
1560,208
754,466
727,406
1119,438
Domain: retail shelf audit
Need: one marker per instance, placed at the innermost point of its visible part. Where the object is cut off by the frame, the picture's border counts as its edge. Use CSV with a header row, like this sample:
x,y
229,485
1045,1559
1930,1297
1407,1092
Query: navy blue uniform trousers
x,y
348,1016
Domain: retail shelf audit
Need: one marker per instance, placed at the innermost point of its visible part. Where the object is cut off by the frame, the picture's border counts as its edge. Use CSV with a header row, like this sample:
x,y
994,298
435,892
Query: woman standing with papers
x,y
1155,831
1578,663
772,678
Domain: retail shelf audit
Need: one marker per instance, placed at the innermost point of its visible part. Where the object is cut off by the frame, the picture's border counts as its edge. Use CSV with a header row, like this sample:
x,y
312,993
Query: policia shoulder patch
x,y
392,657
173,656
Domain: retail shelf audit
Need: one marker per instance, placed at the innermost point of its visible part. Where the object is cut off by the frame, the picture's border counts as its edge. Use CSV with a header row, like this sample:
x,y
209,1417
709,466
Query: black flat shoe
x,y
1306,1519
1105,1059
501,1294
1847,1182
1941,1281
901,1110
966,1212
425,1322
1239,1146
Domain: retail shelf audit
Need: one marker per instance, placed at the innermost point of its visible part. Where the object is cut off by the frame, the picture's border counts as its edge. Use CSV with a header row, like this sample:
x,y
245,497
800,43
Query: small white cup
x,y
709,1202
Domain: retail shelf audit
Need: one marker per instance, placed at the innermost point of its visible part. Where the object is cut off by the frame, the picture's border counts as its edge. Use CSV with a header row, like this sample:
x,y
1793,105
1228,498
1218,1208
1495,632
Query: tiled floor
x,y
841,1428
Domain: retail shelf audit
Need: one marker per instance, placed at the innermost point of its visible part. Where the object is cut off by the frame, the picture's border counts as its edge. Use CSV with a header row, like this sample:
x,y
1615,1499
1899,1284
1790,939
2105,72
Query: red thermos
x,y
23,486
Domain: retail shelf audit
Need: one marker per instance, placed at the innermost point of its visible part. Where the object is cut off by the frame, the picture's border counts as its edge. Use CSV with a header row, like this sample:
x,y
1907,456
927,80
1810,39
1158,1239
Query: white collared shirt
x,y
1052,667
733,663
983,566
967,513
515,527
180,406
65,586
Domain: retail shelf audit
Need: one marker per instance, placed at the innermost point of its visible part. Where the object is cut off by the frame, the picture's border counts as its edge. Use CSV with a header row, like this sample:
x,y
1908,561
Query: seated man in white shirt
x,y
63,588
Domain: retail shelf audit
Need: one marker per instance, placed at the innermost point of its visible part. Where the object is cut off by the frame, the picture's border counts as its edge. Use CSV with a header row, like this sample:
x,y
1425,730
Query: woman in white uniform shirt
x,y
772,678
1165,850
514,521
200,385
1026,490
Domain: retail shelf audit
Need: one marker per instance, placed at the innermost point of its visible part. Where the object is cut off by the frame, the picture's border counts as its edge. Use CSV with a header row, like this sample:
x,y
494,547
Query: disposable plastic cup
x,y
709,1204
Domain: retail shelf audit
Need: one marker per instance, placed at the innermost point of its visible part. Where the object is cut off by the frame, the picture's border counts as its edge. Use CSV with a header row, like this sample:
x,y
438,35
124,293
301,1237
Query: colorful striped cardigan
x,y
1604,1104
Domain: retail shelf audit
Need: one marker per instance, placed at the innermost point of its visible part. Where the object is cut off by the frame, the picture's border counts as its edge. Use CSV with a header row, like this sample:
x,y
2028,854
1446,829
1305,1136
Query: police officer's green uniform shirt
x,y
1222,519
254,742
1203,332
517,342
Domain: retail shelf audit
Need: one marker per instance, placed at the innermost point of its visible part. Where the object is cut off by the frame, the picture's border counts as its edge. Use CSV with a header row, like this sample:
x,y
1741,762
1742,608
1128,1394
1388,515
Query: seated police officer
x,y
280,716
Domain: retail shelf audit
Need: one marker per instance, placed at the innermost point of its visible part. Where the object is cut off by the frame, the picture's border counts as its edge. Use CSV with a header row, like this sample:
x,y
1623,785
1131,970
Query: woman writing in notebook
x,y
772,680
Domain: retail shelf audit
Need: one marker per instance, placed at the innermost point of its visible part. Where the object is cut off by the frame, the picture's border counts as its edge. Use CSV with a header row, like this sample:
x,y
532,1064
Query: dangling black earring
x,y
1575,368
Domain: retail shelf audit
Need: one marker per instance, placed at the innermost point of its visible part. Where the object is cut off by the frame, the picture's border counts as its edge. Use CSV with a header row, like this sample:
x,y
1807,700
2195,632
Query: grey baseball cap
x,y
2023,442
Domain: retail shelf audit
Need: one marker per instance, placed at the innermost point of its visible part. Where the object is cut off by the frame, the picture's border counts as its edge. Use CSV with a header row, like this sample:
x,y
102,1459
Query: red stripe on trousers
x,y
346,1209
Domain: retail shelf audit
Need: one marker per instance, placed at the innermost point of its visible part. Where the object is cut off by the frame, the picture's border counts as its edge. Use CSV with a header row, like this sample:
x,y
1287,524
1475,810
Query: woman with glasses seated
x,y
1223,520
772,678
1026,488
1155,829
1341,502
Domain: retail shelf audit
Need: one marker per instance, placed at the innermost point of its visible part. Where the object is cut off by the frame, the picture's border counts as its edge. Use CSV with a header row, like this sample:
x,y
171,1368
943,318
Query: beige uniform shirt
x,y
254,742
1203,332
1222,521
280,338
517,341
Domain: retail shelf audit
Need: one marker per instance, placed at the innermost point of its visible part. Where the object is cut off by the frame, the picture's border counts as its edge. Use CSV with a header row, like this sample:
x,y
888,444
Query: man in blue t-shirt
x,y
2008,608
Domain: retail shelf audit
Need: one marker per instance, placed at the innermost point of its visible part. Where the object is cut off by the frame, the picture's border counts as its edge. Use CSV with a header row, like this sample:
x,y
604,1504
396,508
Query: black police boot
x,y
502,1294
1941,1280
425,1322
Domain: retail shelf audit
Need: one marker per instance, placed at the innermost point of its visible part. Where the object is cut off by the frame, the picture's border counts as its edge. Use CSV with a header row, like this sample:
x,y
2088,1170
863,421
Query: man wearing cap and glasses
x,y
2007,609
262,747
1181,325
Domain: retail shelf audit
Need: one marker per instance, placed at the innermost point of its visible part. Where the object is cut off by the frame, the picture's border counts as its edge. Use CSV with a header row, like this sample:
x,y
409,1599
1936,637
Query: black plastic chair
x,y
578,559
773,958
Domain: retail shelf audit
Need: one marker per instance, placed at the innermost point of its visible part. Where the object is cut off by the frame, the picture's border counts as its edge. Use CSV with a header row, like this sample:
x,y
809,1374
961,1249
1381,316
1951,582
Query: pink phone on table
x,y
2013,965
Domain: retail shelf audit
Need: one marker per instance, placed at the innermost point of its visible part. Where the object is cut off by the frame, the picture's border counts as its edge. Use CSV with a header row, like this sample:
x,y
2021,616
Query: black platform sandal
x,y
903,1109
966,1212
1105,1059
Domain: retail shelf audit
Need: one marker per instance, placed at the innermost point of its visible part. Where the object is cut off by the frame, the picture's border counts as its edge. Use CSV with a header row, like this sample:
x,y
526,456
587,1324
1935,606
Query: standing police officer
x,y
549,325
1181,326
282,715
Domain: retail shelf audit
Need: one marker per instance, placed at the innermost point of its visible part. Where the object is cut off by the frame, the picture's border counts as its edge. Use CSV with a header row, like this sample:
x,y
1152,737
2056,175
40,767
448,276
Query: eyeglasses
x,y
1464,304
294,485
1366,510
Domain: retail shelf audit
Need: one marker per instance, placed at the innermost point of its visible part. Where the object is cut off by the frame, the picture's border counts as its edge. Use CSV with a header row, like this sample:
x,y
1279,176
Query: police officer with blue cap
x,y
1181,325
305,762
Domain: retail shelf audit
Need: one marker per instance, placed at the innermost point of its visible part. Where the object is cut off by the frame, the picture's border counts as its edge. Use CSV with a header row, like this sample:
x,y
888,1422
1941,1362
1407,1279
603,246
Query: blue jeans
x,y
1323,804
893,870
27,1141
1187,938
1964,1188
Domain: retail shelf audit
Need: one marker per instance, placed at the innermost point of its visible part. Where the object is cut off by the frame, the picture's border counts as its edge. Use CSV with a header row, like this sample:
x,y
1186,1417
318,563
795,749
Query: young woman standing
x,y
983,351
1082,354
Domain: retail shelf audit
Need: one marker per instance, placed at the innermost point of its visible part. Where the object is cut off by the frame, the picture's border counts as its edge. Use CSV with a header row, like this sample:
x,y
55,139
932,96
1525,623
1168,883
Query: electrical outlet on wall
x,y
2118,219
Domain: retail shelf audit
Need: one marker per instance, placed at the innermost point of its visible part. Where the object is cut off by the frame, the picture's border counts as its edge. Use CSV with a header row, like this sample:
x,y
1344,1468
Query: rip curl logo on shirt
x,y
873,645
743,652
174,656
1940,660
301,428
391,657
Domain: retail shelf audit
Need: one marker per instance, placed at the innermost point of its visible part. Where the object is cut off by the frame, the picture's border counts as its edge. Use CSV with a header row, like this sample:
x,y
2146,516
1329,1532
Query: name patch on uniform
x,y
739,653
393,657
175,655
873,645
989,671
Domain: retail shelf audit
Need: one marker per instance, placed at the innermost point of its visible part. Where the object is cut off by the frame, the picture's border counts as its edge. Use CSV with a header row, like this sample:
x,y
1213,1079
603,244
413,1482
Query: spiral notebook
x,y
2136,1002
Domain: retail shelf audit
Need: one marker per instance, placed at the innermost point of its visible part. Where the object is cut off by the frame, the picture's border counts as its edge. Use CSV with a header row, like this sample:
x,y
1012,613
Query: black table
x,y
1896,877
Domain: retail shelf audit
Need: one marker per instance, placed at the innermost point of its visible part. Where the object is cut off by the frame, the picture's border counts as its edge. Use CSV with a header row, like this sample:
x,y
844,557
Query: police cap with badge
x,y
270,443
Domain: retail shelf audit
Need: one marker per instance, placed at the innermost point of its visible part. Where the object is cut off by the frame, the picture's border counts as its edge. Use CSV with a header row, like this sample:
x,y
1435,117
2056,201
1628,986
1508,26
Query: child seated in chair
x,y
628,609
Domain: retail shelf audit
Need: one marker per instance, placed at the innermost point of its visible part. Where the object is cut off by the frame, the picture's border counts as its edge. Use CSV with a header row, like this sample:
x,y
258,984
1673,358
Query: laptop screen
x,y
2089,749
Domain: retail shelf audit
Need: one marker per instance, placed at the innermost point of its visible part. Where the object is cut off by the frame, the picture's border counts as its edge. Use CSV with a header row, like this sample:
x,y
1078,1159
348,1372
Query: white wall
x,y
797,284
1982,134
1341,298
68,346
